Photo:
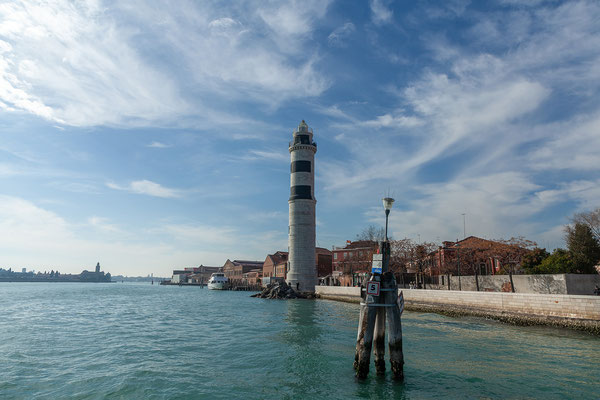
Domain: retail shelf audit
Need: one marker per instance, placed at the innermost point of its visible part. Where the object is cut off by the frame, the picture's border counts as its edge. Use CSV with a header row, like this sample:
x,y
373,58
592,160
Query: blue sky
x,y
150,136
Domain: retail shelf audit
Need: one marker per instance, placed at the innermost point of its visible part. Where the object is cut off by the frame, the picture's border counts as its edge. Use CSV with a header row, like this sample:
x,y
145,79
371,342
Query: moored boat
x,y
218,281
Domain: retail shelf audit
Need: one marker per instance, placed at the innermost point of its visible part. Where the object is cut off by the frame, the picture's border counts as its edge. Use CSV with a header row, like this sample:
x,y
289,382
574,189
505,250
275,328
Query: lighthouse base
x,y
301,283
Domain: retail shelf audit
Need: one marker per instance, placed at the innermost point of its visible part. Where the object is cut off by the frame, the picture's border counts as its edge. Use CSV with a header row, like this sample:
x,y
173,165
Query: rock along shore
x,y
282,290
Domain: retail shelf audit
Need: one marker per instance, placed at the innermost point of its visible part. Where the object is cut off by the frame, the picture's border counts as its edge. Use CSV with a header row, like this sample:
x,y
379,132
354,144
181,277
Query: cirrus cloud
x,y
148,188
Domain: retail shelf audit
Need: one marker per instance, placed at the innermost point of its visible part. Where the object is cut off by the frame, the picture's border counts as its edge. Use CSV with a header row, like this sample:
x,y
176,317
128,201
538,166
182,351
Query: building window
x,y
335,256
345,254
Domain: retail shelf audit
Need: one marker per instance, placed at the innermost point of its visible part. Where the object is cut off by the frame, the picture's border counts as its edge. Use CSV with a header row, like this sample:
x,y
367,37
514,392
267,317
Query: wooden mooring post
x,y
379,302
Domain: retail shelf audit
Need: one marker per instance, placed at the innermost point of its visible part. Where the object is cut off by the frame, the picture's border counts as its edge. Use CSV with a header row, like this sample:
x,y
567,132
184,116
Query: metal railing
x,y
306,144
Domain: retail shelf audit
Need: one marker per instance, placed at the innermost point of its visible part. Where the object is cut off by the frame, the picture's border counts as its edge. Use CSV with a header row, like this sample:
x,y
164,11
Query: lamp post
x,y
388,202
380,301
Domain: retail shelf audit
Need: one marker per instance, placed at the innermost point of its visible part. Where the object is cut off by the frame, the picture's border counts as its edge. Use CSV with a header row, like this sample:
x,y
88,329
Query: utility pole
x,y
464,226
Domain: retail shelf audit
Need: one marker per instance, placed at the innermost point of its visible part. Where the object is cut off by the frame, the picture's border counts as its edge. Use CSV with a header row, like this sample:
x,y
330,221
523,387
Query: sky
x,y
150,136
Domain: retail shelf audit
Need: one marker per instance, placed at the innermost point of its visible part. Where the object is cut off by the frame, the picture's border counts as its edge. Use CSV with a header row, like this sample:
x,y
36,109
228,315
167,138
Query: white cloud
x,y
10,170
79,65
573,145
148,188
395,120
557,43
292,18
340,36
334,111
259,51
584,192
450,115
483,131
159,145
103,224
380,12
75,66
496,205
223,24
272,154
5,47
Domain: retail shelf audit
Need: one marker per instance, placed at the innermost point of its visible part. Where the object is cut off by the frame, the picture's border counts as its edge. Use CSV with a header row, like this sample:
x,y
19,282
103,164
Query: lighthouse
x,y
302,270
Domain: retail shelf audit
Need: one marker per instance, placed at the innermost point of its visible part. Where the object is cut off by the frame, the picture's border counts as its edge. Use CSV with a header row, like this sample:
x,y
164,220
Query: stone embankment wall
x,y
579,312
551,284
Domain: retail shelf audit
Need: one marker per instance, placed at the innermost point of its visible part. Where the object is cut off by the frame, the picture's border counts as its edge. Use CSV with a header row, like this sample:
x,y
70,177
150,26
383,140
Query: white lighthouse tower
x,y
302,272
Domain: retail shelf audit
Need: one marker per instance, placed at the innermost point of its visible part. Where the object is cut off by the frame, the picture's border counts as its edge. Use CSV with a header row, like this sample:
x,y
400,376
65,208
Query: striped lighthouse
x,y
302,270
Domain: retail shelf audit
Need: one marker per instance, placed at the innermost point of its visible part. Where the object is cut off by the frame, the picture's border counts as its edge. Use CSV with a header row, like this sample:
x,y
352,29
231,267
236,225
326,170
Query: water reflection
x,y
301,321
306,365
380,388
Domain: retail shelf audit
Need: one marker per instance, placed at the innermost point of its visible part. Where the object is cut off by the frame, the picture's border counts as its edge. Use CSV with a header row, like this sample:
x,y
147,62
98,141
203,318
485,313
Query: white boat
x,y
218,281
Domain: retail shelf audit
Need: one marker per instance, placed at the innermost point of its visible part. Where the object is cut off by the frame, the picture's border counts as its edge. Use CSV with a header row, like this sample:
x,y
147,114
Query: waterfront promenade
x,y
572,311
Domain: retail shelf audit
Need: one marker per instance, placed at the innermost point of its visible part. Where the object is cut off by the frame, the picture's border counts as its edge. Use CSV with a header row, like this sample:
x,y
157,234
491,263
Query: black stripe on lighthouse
x,y
300,166
300,192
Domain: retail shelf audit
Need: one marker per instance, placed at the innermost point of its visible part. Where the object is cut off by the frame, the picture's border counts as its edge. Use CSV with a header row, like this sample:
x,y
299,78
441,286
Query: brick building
x,y
275,265
269,269
235,270
353,262
324,262
253,277
473,256
199,274
202,273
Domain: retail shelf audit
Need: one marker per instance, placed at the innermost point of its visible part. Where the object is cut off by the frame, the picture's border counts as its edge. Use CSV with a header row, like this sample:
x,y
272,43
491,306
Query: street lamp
x,y
388,202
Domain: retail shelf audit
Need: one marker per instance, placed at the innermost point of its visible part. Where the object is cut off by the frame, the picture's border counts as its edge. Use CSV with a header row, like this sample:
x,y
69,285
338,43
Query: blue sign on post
x,y
377,263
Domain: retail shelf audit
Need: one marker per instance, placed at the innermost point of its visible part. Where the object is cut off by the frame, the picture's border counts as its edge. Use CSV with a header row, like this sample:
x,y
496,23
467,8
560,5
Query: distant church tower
x,y
302,273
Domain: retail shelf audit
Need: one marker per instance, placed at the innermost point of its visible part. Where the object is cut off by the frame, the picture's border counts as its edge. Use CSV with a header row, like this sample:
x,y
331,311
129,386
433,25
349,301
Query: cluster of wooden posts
x,y
380,300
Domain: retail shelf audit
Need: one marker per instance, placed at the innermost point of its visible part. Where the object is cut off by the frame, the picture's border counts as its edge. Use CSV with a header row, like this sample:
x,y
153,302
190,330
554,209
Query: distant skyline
x,y
150,136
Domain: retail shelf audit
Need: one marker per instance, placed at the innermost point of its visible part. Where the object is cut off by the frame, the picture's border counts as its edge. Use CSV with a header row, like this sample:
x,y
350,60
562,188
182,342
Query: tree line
x,y
582,255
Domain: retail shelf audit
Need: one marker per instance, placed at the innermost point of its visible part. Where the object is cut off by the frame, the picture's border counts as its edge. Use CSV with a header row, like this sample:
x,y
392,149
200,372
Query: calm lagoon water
x,y
138,341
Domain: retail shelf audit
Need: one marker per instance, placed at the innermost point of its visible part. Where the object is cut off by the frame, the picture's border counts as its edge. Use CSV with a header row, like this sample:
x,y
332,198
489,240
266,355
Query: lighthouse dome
x,y
302,127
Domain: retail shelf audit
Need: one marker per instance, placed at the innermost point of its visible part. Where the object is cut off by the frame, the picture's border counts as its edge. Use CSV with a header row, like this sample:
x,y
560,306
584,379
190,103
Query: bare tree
x,y
372,233
520,242
406,252
402,253
510,252
591,219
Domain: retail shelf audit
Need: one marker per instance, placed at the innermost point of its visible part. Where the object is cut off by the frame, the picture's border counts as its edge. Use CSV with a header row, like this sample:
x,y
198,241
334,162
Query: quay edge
x,y
568,311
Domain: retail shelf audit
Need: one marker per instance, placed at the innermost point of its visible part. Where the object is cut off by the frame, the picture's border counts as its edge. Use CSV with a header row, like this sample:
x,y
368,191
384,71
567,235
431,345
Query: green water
x,y
138,341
